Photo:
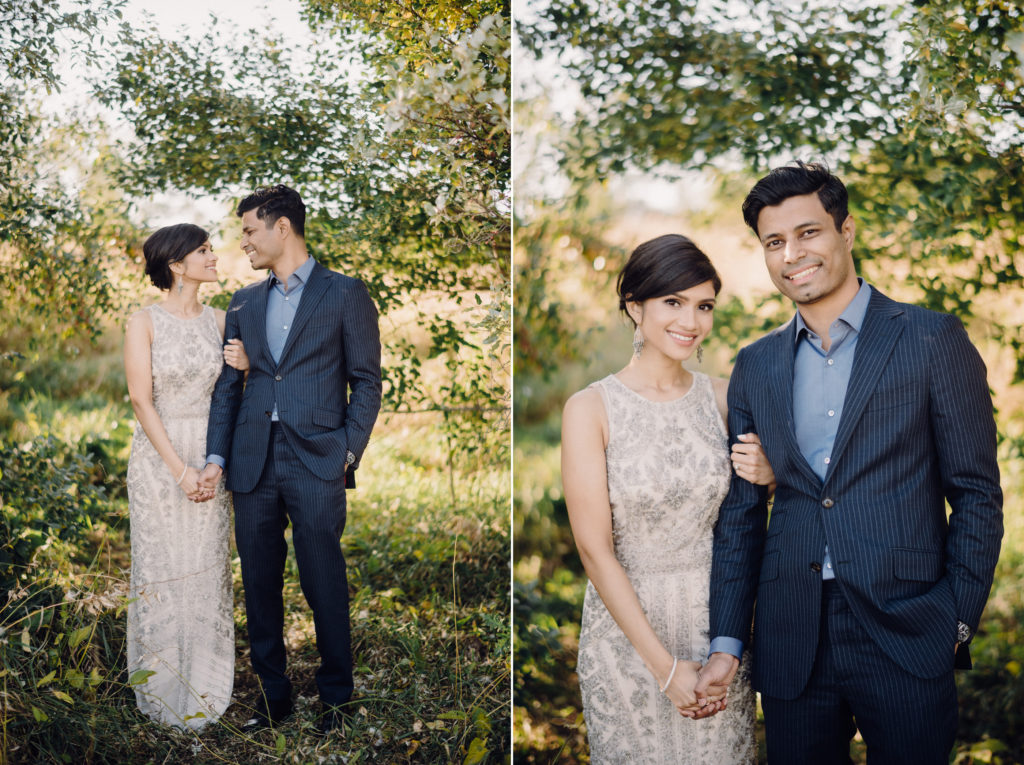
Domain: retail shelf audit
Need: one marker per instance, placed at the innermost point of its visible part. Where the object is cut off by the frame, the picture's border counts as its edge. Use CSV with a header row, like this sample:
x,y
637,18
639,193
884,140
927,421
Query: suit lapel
x,y
875,343
255,324
780,382
311,295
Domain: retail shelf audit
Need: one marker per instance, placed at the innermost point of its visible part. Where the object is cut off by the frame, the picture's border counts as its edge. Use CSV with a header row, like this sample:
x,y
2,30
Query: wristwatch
x,y
350,459
963,633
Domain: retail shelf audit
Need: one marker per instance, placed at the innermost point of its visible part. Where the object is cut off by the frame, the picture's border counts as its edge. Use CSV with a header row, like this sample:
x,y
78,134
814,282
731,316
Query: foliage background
x,y
636,119
393,120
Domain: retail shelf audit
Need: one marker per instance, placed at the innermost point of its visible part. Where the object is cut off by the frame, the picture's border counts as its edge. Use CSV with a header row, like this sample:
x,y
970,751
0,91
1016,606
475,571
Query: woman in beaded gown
x,y
645,467
180,619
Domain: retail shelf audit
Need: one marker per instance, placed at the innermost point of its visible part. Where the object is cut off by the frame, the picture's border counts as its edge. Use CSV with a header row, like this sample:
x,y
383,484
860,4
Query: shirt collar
x,y
852,315
301,273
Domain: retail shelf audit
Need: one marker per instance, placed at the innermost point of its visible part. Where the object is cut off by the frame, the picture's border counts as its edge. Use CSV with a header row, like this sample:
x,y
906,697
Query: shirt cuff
x,y
728,645
217,460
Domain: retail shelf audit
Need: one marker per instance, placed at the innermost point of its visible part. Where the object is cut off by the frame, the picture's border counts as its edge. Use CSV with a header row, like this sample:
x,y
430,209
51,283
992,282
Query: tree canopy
x,y
917,106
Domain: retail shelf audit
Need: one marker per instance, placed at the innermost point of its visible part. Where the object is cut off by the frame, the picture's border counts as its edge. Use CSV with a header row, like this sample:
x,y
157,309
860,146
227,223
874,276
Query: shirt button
x,y
830,361
831,412
285,327
827,502
828,460
287,298
816,567
277,377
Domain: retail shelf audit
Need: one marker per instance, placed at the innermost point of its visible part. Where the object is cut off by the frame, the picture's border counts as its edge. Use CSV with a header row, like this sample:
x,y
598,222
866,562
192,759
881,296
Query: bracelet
x,y
675,662
178,482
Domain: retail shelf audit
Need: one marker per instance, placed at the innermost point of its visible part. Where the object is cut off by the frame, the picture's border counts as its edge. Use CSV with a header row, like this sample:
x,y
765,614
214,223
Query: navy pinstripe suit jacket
x,y
917,430
333,345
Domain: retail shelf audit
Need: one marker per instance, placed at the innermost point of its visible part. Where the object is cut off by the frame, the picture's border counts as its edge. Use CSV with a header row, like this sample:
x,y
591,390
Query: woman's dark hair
x,y
662,266
273,202
169,245
796,180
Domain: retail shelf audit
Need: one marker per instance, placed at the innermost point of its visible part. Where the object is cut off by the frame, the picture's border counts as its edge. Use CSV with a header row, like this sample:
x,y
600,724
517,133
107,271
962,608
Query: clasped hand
x,y
700,692
204,485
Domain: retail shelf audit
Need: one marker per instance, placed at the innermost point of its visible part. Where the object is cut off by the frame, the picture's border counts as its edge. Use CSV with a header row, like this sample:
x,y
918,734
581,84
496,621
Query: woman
x,y
180,618
645,466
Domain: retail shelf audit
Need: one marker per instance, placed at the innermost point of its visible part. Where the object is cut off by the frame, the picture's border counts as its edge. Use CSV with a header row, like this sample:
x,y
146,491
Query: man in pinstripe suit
x,y
873,414
290,437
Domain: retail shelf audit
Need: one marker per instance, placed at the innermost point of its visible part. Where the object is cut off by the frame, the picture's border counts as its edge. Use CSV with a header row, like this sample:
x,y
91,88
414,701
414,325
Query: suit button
x,y
277,377
827,502
816,568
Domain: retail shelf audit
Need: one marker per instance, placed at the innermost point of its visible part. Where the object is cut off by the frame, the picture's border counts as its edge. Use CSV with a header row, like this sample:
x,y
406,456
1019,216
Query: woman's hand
x,y
749,461
235,355
680,689
189,482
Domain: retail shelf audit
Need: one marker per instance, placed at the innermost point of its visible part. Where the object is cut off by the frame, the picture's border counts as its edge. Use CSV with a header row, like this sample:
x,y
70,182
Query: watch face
x,y
963,632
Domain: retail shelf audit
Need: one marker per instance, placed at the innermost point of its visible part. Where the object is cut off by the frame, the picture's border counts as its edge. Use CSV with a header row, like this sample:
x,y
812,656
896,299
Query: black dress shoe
x,y
333,718
270,713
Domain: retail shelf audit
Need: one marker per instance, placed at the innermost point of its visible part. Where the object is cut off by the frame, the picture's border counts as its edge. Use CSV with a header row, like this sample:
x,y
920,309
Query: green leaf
x,y
476,753
79,635
47,678
63,697
39,714
140,676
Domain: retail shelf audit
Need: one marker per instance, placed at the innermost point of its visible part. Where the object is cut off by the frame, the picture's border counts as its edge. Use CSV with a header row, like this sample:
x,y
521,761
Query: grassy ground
x,y
427,545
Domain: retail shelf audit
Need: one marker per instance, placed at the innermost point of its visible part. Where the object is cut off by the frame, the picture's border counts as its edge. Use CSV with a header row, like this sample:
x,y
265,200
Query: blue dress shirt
x,y
820,380
282,303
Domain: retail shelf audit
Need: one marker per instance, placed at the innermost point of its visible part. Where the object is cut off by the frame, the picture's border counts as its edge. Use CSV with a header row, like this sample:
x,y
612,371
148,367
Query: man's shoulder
x,y
915,315
768,342
339,280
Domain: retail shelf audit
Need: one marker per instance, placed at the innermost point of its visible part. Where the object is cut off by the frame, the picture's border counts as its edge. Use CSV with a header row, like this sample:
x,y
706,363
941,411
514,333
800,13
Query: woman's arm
x,y
748,457
138,341
584,479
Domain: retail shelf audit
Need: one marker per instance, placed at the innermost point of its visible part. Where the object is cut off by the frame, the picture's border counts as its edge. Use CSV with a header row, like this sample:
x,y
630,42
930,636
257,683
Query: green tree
x,y
53,245
403,156
918,106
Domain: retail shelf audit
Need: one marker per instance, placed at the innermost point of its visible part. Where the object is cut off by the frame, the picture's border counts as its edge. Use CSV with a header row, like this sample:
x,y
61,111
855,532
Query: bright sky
x,y
177,18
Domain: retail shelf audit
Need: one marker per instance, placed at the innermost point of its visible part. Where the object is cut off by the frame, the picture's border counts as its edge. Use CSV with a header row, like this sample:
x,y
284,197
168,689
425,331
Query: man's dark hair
x,y
273,202
796,180
167,245
663,266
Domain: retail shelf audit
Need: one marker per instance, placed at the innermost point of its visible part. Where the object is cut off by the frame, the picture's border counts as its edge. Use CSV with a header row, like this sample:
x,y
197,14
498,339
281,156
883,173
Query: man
x,y
873,415
286,435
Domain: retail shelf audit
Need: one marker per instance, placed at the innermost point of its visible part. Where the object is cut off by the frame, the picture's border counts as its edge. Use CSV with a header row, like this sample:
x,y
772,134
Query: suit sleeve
x,y
739,531
965,439
227,396
362,368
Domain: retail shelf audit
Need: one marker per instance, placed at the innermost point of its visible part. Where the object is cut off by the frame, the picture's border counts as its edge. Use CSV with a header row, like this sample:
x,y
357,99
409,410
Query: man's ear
x,y
849,231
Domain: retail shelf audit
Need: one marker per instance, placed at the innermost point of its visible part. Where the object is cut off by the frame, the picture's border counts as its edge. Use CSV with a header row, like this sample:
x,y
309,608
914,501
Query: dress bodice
x,y
186,362
668,472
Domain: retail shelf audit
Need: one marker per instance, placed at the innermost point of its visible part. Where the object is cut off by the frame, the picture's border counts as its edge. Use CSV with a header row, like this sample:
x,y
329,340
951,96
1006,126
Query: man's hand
x,y
713,682
208,482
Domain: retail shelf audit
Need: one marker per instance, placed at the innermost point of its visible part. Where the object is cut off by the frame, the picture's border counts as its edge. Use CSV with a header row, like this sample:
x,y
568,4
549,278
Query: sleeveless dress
x,y
668,472
180,623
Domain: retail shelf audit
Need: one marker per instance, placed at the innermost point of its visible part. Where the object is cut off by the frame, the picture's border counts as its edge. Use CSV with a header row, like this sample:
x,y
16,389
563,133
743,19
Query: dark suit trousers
x,y
316,508
903,719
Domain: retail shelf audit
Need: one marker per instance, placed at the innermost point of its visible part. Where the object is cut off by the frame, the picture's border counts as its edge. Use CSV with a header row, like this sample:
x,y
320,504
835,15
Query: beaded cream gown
x,y
180,623
668,472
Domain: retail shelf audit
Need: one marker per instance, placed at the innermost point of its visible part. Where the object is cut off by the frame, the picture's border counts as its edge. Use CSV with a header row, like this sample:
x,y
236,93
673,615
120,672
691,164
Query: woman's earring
x,y
181,284
638,341
700,354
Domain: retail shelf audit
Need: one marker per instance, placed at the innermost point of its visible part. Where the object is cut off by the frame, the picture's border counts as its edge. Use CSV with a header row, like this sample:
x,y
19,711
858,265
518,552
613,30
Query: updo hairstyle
x,y
168,245
663,266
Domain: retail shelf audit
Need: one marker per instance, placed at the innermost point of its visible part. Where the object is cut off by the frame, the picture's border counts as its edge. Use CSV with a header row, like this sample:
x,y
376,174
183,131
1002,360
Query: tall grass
x,y
428,573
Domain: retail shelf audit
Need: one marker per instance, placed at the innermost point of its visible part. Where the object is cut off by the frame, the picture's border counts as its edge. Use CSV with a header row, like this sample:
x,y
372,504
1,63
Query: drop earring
x,y
638,341
700,354
181,284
